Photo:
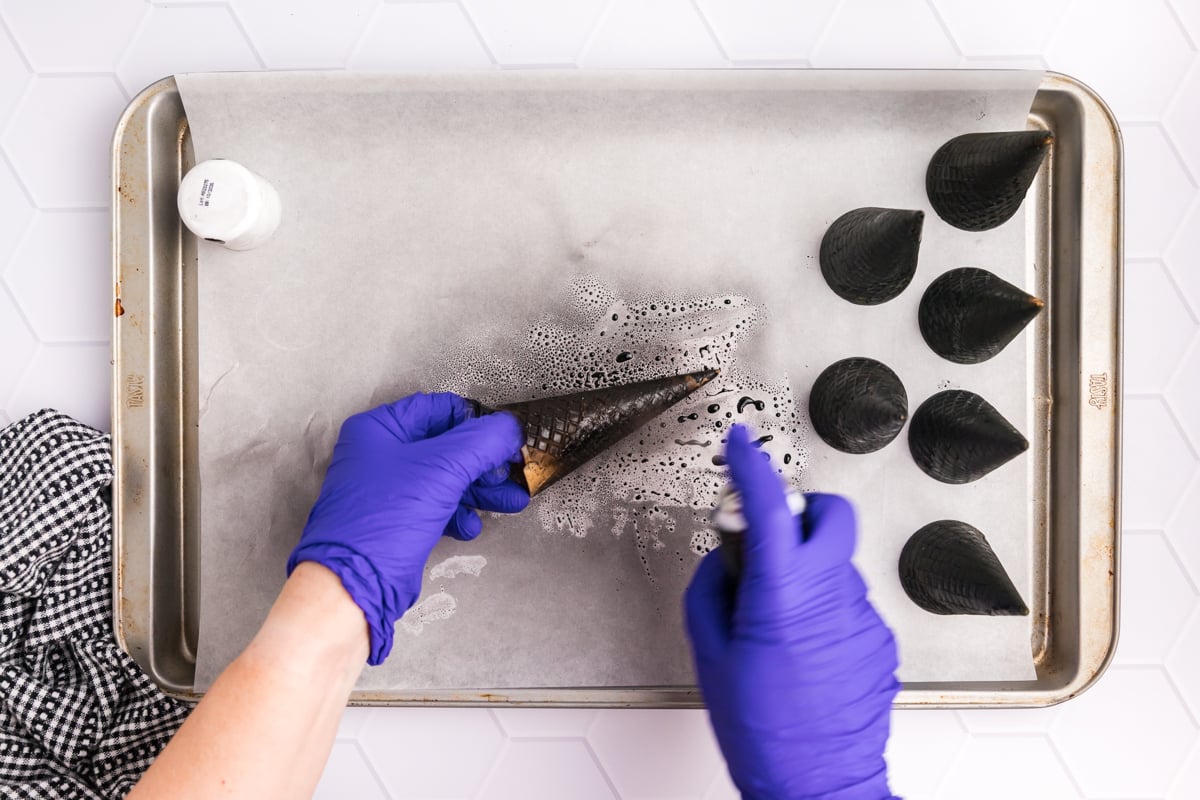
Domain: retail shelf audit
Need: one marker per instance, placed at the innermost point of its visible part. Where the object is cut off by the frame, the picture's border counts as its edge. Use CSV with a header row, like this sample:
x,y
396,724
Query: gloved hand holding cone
x,y
564,432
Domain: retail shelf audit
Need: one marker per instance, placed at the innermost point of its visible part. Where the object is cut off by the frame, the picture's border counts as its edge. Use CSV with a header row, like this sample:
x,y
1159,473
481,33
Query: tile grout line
x,y
1183,435
1187,33
494,767
1192,715
1062,761
712,31
608,781
1177,153
20,381
356,48
478,32
20,51
6,129
949,34
366,759
1056,31
1176,238
823,35
243,30
597,23
12,296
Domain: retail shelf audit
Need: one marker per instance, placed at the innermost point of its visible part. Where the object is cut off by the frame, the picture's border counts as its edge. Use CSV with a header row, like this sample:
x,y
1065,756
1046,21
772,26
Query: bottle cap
x,y
223,202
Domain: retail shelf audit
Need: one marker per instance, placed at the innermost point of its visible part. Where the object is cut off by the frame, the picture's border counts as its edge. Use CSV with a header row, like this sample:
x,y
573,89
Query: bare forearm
x,y
266,727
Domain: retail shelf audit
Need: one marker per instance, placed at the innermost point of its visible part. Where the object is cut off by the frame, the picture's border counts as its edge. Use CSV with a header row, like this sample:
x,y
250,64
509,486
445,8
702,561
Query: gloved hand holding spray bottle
x,y
796,667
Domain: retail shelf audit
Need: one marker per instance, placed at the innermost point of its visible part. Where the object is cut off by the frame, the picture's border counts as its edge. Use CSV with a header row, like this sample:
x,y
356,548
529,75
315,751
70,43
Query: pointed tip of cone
x,y
1037,302
1016,608
902,221
704,376
917,224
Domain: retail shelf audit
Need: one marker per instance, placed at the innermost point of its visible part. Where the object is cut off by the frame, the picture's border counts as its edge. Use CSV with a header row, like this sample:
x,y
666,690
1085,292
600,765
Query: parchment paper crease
x,y
418,209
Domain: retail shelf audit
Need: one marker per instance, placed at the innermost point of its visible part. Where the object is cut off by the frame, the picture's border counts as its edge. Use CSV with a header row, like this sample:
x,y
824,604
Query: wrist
x,y
314,629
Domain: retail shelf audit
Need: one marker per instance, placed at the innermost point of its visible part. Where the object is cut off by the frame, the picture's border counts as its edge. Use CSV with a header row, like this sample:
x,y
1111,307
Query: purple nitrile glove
x,y
796,667
401,476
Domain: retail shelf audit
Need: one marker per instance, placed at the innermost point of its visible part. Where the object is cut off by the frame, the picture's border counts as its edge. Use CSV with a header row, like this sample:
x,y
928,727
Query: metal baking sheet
x,y
1044,211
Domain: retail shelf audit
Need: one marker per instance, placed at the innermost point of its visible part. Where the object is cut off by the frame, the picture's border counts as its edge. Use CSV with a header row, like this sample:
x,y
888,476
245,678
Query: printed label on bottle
x,y
206,190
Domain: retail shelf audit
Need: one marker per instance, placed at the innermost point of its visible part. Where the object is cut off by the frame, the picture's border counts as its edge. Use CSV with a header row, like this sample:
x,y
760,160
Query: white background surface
x,y
67,68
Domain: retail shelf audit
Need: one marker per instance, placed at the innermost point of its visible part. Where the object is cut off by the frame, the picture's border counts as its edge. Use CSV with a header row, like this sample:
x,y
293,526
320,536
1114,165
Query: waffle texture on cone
x,y
957,437
869,255
969,315
948,567
977,181
563,432
858,405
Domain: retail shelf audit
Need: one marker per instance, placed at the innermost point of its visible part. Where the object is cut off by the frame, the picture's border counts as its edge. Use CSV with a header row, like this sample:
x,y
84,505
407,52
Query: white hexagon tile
x,y
1005,767
535,32
1133,54
58,139
92,42
419,37
1159,323
768,31
869,33
184,39
304,34
921,748
67,67
1127,736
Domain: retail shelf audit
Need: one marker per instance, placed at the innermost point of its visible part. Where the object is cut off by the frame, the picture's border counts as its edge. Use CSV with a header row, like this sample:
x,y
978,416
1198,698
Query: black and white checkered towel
x,y
78,718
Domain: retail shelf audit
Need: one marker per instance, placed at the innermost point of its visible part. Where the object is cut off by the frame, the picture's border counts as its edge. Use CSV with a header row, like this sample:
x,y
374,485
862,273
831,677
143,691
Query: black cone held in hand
x,y
977,181
948,567
858,405
969,315
957,437
869,255
563,432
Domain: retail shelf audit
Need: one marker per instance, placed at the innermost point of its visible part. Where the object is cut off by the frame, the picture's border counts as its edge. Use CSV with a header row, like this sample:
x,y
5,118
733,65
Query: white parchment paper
x,y
420,212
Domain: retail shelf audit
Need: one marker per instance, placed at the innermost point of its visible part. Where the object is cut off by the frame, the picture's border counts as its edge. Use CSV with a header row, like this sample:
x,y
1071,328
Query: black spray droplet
x,y
759,405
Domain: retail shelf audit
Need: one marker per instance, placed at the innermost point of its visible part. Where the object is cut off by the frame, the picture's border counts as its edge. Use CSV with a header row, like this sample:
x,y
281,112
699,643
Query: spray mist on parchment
x,y
665,476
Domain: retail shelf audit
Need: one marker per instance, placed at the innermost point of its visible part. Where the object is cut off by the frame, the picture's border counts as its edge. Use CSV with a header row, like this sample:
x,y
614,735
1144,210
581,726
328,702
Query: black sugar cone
x,y
948,567
969,315
977,181
858,405
563,432
869,255
958,437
